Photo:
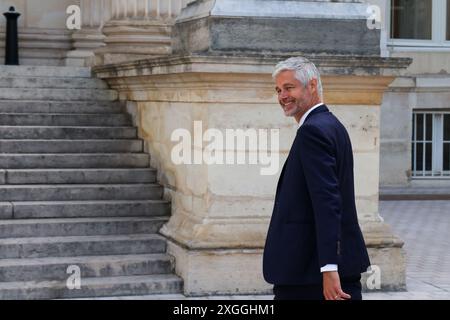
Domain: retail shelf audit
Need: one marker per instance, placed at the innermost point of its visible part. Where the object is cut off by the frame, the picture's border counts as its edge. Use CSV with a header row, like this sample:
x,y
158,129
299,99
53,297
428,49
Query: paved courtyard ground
x,y
425,228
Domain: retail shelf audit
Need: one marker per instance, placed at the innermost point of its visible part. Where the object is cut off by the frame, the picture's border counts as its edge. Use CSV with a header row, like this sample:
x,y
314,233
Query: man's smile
x,y
288,104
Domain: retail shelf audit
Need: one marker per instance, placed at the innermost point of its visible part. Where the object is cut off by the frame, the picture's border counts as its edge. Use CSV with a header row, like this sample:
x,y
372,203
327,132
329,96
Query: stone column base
x,y
128,40
219,271
387,257
79,58
85,41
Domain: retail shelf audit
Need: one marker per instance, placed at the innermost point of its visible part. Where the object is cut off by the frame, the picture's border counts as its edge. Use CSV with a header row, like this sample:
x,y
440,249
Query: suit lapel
x,y
322,108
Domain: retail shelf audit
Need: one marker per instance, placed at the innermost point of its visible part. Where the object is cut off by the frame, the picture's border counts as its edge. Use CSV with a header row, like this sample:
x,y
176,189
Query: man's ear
x,y
313,85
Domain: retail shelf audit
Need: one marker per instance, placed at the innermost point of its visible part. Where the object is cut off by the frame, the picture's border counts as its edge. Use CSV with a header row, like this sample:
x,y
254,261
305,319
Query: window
x,y
448,20
411,19
430,153
419,23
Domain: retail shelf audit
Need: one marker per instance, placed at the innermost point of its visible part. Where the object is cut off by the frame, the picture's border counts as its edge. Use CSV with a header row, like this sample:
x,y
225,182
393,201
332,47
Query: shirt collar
x,y
303,118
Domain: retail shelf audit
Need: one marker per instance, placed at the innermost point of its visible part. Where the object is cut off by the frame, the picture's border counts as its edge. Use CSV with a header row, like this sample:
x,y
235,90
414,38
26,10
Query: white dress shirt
x,y
328,267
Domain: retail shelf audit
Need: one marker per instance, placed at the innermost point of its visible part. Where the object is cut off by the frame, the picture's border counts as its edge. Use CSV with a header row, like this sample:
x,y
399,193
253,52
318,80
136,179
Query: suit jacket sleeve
x,y
318,159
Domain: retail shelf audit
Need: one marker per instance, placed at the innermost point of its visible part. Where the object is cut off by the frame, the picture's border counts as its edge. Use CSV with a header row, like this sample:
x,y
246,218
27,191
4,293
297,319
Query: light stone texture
x,y
130,30
45,14
395,157
127,40
251,207
43,36
280,9
425,62
366,167
239,271
391,262
39,46
362,124
406,94
367,207
139,28
241,180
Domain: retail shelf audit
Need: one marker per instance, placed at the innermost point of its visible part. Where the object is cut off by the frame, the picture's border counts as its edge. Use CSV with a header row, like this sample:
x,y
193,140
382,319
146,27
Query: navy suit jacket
x,y
314,220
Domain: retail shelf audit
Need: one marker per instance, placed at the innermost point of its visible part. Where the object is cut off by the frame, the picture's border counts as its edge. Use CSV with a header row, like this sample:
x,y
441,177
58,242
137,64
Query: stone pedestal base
x,y
273,26
220,272
85,41
387,256
239,271
79,58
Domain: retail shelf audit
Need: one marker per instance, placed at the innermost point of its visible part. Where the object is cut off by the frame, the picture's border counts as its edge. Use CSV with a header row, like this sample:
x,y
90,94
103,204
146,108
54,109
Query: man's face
x,y
294,98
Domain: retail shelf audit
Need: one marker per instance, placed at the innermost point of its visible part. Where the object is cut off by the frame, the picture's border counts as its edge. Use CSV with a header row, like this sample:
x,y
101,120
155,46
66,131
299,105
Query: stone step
x,y
54,119
80,176
80,226
11,193
53,269
69,160
33,106
6,210
71,146
46,82
70,246
93,287
45,71
33,132
86,208
58,94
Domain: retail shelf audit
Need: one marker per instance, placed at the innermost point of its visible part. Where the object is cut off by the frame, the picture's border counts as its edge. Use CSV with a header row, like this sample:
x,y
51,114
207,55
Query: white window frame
x,y
438,28
437,147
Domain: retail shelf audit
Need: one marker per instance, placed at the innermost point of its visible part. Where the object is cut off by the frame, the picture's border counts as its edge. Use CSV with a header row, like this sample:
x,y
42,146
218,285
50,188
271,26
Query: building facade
x,y
415,123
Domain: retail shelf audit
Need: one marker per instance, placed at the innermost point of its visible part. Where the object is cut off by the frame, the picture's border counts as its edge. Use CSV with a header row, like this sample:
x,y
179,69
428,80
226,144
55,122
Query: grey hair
x,y
304,69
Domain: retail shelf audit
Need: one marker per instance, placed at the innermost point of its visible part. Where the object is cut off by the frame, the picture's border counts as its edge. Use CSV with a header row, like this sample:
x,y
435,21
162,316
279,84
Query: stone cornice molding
x,y
274,9
347,80
328,65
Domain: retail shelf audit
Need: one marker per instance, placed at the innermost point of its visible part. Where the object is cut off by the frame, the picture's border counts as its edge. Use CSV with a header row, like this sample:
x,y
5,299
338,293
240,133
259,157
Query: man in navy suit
x,y
314,247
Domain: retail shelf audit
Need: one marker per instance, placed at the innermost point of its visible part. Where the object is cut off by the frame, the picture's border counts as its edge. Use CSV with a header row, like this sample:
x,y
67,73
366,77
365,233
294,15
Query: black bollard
x,y
12,41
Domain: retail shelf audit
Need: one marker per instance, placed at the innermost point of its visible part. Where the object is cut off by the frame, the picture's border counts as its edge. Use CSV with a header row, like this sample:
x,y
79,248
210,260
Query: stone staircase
x,y
76,189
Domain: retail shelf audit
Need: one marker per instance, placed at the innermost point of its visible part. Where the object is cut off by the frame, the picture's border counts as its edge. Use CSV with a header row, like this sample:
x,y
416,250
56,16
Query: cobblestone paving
x,y
425,228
